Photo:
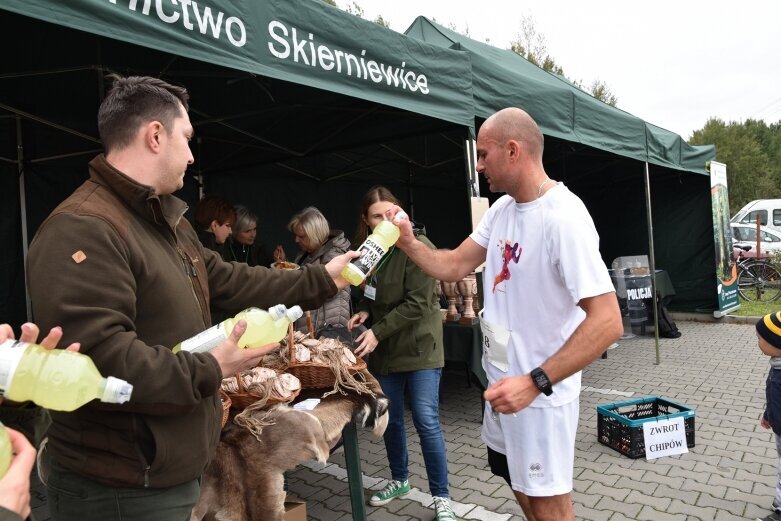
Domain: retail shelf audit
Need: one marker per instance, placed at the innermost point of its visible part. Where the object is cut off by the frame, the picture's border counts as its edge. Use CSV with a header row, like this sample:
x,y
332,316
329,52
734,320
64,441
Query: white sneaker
x,y
443,509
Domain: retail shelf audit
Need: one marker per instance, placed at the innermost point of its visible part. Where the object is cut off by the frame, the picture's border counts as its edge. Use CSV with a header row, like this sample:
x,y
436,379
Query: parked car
x,y
767,211
746,235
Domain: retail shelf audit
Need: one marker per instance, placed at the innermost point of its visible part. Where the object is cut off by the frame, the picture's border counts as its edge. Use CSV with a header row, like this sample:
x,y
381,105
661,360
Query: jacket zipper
x,y
190,271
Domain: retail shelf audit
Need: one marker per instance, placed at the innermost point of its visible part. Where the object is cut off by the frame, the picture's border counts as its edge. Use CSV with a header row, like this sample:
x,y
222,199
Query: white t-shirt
x,y
542,259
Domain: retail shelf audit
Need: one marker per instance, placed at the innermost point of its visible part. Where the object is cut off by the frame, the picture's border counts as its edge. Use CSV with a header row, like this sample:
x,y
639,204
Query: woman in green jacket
x,y
405,340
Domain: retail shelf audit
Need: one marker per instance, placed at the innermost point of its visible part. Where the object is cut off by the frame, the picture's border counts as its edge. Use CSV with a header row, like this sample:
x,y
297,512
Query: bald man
x,y
550,309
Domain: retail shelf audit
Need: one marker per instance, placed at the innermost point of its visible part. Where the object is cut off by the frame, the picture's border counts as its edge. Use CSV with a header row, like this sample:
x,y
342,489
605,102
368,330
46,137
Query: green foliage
x,y
752,152
356,10
601,91
532,46
382,21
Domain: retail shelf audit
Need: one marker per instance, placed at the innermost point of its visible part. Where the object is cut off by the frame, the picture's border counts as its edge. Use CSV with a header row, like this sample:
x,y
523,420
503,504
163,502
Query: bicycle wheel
x,y
759,281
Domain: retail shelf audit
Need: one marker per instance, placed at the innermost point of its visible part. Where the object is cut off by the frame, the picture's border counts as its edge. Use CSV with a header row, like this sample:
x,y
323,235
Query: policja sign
x,y
664,438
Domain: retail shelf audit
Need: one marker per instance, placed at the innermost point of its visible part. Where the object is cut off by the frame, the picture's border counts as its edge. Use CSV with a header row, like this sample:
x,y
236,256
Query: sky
x,y
675,64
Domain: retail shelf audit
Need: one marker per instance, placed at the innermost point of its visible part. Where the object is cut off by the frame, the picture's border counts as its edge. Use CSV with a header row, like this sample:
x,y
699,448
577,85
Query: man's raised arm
x,y
446,265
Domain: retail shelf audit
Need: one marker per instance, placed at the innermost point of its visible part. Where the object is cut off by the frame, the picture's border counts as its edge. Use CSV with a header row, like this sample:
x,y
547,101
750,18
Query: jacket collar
x,y
162,210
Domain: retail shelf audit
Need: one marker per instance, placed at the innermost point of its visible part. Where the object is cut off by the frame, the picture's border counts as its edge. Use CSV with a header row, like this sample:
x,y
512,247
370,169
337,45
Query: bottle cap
x,y
116,391
400,216
277,311
294,313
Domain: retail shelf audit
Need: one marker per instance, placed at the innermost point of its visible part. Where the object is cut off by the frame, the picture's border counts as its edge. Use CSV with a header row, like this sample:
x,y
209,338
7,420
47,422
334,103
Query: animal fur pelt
x,y
369,411
244,481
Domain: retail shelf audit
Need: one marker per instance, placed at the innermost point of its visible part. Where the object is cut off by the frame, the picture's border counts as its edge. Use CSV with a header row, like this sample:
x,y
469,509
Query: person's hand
x,y
510,395
357,319
337,264
279,254
30,334
15,485
367,343
232,358
400,218
764,423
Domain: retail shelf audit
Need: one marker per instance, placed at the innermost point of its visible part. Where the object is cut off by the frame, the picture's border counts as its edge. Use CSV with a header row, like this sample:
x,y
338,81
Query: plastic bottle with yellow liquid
x,y
54,378
373,249
263,327
5,451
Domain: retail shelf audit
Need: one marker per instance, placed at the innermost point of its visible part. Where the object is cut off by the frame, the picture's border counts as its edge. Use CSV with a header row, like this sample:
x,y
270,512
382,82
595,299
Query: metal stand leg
x,y
354,480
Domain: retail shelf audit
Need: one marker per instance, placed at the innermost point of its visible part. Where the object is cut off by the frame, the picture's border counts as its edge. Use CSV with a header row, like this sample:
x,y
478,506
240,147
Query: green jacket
x,y
405,316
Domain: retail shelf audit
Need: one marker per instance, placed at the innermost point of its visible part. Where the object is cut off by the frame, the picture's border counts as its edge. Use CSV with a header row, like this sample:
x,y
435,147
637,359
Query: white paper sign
x,y
664,438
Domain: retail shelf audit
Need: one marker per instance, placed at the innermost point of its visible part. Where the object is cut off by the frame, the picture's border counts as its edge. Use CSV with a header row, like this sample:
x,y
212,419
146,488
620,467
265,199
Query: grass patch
x,y
756,309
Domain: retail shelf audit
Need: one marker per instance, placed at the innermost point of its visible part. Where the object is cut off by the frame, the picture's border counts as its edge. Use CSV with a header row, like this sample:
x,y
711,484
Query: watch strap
x,y
541,381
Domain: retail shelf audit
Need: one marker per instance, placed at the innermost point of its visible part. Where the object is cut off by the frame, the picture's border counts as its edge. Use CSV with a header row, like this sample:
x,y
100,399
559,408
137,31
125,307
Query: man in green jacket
x,y
122,271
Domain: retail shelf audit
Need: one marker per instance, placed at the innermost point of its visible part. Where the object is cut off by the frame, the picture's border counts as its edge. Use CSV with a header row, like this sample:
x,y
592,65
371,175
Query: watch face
x,y
542,382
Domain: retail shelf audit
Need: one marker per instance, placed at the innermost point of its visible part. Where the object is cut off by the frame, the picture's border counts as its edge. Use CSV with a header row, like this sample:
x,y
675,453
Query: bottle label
x,y
371,255
11,352
205,341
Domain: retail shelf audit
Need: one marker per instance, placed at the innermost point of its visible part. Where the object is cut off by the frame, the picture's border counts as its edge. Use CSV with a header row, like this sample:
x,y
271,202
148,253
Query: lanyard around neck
x,y
382,263
235,257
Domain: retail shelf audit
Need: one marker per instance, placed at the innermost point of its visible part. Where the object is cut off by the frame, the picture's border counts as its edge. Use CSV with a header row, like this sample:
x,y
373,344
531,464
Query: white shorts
x,y
539,443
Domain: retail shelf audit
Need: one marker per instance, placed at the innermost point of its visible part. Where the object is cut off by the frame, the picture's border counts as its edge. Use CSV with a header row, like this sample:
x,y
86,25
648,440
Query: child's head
x,y
769,329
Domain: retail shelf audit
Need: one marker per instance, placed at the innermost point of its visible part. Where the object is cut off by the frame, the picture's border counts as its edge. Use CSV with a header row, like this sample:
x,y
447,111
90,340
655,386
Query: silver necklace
x,y
542,185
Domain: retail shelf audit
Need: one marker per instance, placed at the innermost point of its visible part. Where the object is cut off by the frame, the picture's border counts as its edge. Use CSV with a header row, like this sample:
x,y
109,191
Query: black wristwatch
x,y
542,381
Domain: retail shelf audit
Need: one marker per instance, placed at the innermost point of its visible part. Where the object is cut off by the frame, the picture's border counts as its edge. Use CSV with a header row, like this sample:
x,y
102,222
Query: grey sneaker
x,y
775,506
443,508
391,491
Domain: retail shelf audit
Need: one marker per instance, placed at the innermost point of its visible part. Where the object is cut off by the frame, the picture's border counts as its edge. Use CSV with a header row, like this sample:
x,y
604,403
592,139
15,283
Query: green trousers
x,y
72,497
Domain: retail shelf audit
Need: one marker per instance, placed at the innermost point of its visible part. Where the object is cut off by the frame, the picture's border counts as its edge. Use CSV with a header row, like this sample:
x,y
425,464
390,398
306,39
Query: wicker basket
x,y
226,405
243,399
314,375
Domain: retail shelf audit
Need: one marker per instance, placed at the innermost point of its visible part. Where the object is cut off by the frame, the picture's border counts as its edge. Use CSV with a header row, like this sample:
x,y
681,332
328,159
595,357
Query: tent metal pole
x,y
23,211
470,161
652,257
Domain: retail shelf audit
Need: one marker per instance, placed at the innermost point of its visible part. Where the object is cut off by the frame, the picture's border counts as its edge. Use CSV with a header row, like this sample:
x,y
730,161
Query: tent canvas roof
x,y
501,78
305,42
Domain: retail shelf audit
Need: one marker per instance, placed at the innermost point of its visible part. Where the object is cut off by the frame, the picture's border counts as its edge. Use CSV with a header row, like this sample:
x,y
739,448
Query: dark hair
x,y
133,102
375,194
214,208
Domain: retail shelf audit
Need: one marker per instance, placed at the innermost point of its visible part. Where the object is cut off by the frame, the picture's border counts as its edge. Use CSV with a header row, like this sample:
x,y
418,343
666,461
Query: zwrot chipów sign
x,y
664,438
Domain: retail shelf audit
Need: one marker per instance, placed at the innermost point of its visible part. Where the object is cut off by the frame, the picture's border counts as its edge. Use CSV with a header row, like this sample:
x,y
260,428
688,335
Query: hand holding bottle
x,y
15,485
337,264
400,218
30,334
233,359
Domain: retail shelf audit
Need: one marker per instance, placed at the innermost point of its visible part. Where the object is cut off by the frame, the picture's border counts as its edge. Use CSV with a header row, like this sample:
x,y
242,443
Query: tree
x,y
751,152
601,91
532,46
356,10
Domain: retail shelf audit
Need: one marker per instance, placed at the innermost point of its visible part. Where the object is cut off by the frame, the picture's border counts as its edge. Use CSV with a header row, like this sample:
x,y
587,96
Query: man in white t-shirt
x,y
550,310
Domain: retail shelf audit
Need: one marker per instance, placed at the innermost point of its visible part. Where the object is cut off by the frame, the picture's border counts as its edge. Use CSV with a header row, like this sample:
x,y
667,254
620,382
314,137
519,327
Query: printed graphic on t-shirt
x,y
509,253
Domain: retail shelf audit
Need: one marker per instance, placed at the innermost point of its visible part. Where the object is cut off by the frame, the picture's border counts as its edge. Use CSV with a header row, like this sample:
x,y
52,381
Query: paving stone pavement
x,y
729,474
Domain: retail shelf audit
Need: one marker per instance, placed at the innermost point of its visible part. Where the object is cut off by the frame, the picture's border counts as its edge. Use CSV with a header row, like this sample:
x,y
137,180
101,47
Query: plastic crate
x,y
620,425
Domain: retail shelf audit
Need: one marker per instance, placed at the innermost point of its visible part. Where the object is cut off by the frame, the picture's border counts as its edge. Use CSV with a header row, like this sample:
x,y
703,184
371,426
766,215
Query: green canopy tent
x,y
637,179
294,103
